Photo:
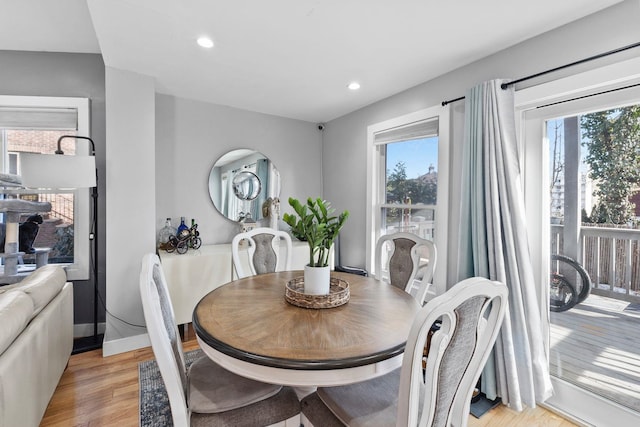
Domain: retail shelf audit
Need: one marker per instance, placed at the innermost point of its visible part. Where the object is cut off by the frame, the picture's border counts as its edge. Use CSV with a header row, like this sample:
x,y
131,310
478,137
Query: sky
x,y
417,155
551,126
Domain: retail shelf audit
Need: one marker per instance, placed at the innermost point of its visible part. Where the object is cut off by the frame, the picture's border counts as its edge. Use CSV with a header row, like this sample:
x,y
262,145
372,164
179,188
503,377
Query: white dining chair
x,y
406,261
264,246
438,395
206,393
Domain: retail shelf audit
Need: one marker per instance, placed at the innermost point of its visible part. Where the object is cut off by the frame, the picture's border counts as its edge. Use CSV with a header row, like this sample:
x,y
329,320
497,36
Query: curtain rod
x,y
581,61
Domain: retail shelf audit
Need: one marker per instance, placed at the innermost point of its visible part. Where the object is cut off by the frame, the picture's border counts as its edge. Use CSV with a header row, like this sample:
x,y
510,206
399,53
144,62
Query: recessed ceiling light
x,y
354,86
205,42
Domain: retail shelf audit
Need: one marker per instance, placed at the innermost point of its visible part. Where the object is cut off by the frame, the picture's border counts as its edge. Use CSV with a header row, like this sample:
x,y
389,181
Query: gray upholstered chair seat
x,y
282,406
363,404
368,403
213,389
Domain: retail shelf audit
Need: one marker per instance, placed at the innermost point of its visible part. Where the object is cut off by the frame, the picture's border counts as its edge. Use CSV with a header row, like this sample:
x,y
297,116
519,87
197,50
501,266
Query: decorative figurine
x,y
271,211
185,239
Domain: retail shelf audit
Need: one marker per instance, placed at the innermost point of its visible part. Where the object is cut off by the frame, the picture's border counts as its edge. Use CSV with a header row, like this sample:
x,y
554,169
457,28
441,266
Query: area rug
x,y
154,402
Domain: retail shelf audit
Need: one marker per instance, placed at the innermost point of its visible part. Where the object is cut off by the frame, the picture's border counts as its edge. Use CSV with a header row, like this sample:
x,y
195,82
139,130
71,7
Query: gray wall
x,y
345,138
192,135
68,75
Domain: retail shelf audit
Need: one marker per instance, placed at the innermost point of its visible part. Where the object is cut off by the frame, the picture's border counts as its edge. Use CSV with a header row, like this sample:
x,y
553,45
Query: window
x,y
34,124
408,178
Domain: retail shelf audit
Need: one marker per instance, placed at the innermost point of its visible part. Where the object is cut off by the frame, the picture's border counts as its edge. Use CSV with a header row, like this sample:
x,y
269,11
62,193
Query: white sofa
x,y
36,340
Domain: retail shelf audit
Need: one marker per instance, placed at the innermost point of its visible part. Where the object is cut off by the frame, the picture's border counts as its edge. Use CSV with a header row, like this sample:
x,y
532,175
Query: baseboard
x,y
122,345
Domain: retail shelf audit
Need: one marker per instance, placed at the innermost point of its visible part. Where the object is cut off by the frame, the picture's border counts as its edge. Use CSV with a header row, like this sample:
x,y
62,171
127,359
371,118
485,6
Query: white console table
x,y
192,275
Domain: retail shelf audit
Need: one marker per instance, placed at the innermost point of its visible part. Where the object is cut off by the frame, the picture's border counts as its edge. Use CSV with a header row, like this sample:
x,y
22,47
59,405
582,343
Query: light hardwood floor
x,y
97,391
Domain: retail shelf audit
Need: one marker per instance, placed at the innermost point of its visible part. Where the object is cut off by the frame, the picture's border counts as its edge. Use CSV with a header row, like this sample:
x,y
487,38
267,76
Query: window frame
x,y
376,173
79,269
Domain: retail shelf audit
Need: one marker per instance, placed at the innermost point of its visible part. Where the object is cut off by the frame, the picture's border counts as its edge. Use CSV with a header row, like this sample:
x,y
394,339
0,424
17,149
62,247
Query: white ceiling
x,y
291,58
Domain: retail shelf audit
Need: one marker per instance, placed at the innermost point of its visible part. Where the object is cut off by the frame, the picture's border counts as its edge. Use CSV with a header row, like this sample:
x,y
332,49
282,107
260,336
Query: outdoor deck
x,y
596,345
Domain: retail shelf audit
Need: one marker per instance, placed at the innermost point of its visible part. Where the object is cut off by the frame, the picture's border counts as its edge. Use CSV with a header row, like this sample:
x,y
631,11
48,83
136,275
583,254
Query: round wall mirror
x,y
240,182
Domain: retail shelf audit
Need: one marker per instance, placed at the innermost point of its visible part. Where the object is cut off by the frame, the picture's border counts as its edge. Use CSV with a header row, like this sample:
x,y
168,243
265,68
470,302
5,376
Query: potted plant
x,y
314,223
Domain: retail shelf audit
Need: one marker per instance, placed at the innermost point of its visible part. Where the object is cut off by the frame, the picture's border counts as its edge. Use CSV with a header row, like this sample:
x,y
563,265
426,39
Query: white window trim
x,y
578,404
79,270
375,183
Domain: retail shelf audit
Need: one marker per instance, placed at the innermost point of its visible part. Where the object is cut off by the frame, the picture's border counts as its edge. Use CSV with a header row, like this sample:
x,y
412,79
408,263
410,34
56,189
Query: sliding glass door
x,y
582,179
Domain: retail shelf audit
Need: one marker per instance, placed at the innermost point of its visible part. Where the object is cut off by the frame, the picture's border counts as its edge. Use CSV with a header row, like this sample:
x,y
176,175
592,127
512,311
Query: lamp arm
x,y
93,146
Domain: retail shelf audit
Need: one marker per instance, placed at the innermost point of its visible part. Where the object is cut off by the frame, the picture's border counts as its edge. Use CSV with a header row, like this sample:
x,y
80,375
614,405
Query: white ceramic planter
x,y
316,280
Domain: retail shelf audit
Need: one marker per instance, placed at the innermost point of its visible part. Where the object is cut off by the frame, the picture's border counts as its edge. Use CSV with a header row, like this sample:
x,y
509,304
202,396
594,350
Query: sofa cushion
x,y
16,310
43,285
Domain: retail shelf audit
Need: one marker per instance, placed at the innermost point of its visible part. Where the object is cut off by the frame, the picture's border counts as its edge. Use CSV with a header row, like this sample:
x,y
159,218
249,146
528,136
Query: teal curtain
x,y
494,244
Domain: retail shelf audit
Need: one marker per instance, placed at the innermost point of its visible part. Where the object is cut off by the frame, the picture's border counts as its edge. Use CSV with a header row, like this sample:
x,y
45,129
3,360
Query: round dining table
x,y
249,328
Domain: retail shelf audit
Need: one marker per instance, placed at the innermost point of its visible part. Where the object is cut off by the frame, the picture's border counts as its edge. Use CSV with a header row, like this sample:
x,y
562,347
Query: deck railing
x,y
611,256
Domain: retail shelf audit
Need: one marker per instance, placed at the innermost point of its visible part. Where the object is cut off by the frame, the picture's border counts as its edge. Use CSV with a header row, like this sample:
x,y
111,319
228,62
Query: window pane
x,y
411,171
411,183
39,141
420,221
56,231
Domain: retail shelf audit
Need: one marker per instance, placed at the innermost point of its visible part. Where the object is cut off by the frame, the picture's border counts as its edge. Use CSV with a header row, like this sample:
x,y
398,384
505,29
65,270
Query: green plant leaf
x,y
314,223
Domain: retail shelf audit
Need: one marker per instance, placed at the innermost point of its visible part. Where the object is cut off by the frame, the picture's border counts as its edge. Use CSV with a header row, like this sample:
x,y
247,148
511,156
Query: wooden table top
x,y
249,319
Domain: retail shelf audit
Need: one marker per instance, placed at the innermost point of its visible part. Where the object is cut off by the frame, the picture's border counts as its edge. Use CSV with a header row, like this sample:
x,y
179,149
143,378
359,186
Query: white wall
x,y
192,135
130,202
345,138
